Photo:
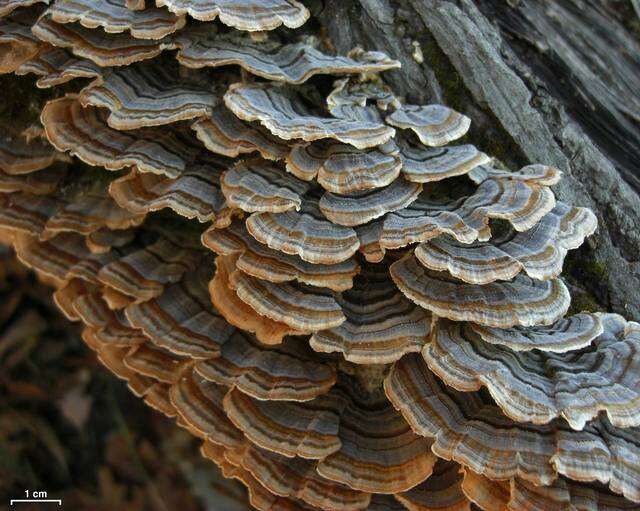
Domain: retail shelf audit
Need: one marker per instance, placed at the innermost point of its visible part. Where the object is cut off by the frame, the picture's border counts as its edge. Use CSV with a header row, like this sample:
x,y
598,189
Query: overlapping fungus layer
x,y
349,309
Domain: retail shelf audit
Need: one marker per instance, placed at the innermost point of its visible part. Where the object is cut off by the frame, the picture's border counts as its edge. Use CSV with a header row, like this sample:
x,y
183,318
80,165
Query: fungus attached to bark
x,y
250,15
194,194
290,63
166,98
521,301
466,217
343,169
56,66
84,133
17,44
539,252
305,233
283,114
470,429
381,326
435,125
97,46
537,387
113,16
290,260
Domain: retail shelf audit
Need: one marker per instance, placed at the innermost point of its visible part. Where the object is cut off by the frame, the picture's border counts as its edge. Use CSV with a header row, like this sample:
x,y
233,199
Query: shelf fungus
x,y
260,261
8,6
521,301
567,334
147,95
343,169
97,46
284,114
249,15
194,194
435,125
55,66
470,428
223,133
466,217
381,326
422,164
350,310
17,44
290,63
66,123
306,233
537,387
114,17
539,252
562,494
287,372
21,156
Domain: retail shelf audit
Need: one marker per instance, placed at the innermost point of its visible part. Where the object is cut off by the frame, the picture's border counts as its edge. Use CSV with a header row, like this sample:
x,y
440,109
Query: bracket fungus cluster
x,y
351,310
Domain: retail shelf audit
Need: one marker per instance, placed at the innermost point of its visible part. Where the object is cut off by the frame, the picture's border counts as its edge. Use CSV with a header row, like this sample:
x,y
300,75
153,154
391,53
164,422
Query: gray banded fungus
x,y
271,247
259,186
539,252
223,133
381,326
469,428
114,17
260,261
250,15
239,313
287,372
306,233
466,217
56,66
443,490
17,44
33,182
562,494
521,301
537,387
284,115
361,207
182,319
302,307
67,123
194,194
435,125
21,156
96,46
89,213
291,63
343,169
566,334
422,164
147,95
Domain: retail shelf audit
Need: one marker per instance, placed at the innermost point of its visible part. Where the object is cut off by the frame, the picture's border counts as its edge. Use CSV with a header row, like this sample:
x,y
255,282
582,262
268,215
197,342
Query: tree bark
x,y
546,81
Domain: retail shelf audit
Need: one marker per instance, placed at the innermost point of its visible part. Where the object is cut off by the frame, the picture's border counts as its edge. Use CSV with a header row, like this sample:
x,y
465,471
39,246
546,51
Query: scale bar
x,y
24,501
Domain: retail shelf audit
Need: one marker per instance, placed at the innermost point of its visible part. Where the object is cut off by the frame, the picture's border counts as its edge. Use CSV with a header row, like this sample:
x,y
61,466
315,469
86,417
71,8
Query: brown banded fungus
x,y
273,248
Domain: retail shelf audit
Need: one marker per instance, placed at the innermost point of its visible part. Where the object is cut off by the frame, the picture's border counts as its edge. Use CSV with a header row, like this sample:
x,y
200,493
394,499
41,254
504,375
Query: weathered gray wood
x,y
551,81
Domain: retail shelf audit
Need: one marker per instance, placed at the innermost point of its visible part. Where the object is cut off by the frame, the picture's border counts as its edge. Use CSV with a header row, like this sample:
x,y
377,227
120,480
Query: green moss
x,y
490,136
455,92
589,280
584,302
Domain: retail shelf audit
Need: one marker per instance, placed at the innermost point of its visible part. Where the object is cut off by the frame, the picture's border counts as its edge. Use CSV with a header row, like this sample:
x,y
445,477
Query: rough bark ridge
x,y
551,81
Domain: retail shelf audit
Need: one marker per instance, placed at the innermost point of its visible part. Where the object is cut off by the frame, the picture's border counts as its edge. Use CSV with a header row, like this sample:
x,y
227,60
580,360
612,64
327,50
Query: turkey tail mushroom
x,y
269,245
